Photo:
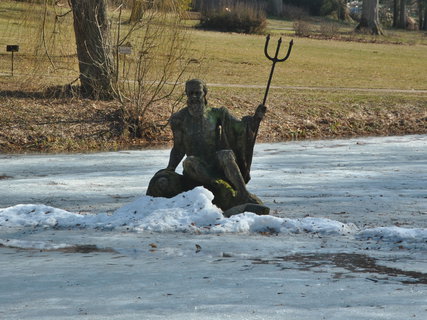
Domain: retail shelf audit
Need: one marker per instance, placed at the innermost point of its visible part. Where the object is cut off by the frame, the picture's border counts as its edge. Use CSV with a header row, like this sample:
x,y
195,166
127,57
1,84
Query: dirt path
x,y
262,86
379,90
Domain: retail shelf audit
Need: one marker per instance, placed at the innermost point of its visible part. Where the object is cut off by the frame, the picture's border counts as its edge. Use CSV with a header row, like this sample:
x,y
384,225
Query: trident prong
x,y
275,59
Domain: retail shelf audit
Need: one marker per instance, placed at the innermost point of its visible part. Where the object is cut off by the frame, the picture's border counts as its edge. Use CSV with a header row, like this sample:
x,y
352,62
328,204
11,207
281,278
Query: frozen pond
x,y
346,239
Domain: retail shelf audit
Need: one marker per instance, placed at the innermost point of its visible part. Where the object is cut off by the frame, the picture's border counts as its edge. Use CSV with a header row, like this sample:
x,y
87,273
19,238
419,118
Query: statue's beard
x,y
196,108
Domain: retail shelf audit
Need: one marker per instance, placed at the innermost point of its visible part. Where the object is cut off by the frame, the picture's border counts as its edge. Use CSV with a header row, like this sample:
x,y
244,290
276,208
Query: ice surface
x,y
346,238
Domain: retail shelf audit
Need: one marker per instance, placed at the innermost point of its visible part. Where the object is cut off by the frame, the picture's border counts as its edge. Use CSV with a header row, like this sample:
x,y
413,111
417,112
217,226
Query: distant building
x,y
355,7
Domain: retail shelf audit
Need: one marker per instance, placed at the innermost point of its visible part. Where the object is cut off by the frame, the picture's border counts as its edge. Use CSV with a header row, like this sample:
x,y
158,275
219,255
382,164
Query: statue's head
x,y
196,91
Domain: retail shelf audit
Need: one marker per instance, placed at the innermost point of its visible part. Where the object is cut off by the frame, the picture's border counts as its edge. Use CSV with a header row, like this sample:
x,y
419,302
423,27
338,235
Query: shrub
x,y
228,16
302,28
329,29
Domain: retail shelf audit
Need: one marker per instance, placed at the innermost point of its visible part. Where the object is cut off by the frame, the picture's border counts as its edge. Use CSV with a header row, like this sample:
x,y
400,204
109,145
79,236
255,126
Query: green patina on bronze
x,y
225,195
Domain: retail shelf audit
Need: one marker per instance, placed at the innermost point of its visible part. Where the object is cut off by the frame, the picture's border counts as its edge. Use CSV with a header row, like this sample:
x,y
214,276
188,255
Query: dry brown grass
x,y
32,122
304,114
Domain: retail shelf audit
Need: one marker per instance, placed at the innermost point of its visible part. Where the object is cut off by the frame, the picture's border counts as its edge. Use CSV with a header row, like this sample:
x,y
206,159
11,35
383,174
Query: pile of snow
x,y
194,212
191,211
38,215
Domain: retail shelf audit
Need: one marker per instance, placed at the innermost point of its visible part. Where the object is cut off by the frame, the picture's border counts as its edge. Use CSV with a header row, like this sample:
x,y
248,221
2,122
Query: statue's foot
x,y
249,198
227,197
258,209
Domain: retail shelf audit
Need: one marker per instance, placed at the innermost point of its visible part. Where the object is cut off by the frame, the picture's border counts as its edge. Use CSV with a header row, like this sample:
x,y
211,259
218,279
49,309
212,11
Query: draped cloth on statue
x,y
239,136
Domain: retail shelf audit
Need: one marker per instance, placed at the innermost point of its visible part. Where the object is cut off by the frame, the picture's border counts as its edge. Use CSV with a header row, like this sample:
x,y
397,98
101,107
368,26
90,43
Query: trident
x,y
275,60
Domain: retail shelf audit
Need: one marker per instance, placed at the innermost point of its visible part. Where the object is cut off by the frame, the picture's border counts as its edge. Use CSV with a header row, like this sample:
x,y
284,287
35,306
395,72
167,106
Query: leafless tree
x,y
152,72
422,14
369,22
94,50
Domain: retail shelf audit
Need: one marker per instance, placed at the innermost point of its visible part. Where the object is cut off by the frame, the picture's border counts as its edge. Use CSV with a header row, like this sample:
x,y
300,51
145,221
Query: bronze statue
x,y
218,149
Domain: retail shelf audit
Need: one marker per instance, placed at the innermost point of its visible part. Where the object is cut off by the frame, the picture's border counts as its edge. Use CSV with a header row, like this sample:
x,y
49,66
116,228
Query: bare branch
x,y
44,35
62,15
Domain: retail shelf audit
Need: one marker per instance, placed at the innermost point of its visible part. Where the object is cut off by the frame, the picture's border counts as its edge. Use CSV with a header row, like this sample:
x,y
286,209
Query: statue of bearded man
x,y
218,150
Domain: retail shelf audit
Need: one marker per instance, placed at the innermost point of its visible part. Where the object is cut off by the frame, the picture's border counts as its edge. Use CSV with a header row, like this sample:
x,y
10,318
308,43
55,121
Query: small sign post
x,y
12,49
124,50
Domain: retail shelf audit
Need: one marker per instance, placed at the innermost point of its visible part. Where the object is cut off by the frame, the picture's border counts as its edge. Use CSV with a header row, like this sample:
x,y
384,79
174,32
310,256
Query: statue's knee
x,y
225,156
189,163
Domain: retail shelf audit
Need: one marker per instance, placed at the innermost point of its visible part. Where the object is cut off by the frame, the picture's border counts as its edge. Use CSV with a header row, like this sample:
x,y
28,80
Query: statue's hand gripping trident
x,y
275,59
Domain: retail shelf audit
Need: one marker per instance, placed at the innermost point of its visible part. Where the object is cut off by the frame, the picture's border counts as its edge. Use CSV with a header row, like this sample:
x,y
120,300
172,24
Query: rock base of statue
x,y
258,209
168,184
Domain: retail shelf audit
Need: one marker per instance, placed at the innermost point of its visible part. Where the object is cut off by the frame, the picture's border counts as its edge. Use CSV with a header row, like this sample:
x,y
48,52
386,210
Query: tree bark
x,y
94,51
369,22
396,6
276,7
425,17
137,11
402,15
422,14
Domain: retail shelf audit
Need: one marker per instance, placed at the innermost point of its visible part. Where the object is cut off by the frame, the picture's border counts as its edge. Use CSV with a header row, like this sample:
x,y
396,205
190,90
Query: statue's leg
x,y
245,201
228,164
196,170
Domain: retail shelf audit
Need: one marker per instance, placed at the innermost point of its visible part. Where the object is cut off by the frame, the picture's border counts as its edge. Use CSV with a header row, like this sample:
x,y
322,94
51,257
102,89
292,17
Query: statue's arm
x,y
255,120
177,153
175,158
260,113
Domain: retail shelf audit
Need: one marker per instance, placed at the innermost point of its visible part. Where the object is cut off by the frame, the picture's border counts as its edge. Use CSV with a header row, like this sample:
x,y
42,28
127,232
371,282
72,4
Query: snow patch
x,y
191,211
38,215
36,245
394,234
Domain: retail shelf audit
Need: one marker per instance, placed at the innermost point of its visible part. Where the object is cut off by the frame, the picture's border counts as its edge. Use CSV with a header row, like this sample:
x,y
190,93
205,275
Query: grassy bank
x,y
70,125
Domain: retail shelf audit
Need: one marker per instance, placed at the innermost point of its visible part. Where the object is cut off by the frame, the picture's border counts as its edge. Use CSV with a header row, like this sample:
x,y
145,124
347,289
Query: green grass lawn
x,y
231,58
235,58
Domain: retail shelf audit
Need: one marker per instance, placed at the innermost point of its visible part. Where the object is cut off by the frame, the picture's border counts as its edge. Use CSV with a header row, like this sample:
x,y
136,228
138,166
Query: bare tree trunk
x,y
402,15
425,17
369,22
422,14
137,11
396,6
93,48
276,7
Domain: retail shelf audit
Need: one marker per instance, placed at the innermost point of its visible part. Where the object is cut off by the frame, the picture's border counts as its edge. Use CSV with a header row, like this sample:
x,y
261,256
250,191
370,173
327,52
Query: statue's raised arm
x,y
260,112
